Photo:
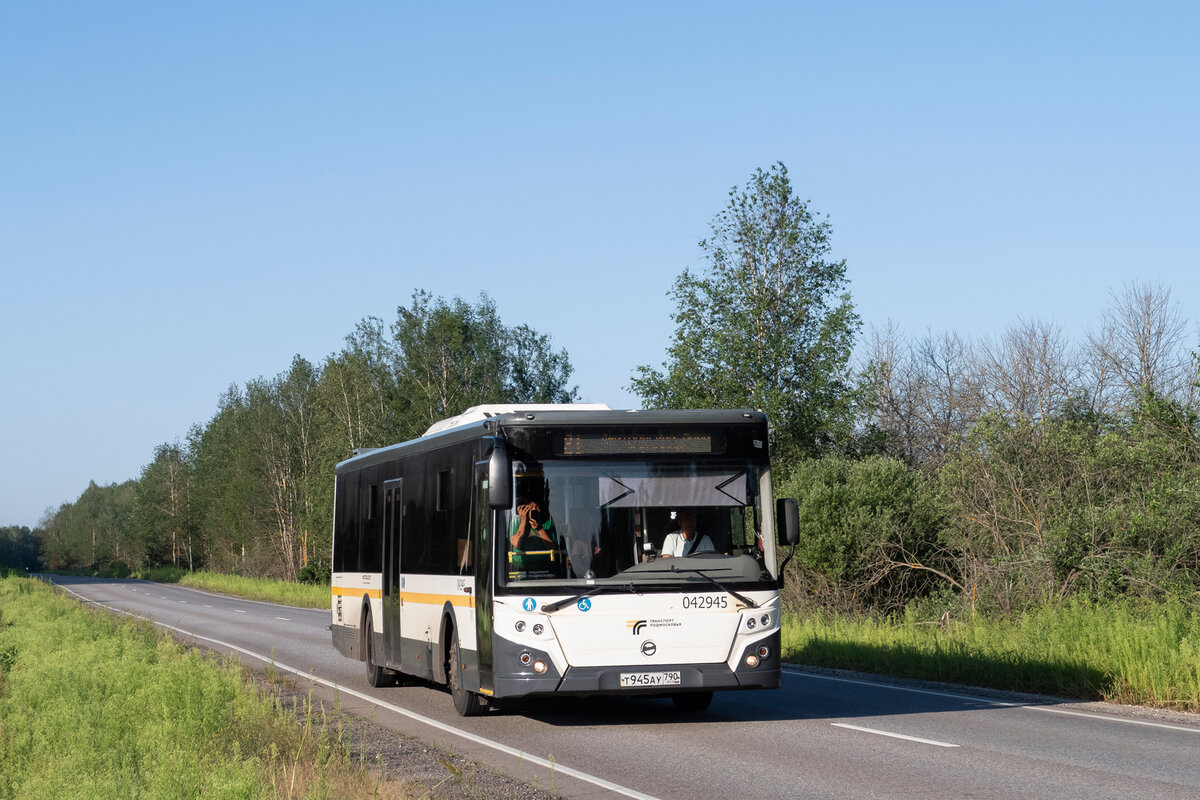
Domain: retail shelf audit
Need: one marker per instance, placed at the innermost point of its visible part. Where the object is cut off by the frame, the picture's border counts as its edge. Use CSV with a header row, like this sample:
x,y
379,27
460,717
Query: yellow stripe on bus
x,y
376,594
464,600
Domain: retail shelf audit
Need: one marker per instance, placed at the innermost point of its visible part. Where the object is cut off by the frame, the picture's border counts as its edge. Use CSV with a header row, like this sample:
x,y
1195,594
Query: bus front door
x,y
484,521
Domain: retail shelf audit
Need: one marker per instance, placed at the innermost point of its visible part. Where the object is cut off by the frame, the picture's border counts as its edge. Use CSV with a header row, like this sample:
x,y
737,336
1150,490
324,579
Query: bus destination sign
x,y
612,444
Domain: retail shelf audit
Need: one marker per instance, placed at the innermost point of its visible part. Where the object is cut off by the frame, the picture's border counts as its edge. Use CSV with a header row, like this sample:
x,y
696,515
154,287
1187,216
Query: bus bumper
x,y
765,674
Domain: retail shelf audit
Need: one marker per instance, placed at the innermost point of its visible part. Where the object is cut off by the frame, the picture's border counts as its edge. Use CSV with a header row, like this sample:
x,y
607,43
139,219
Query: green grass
x,y
1126,652
100,707
304,595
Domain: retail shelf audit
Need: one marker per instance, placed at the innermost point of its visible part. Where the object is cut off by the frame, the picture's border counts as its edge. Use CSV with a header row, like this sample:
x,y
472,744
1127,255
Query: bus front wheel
x,y
466,703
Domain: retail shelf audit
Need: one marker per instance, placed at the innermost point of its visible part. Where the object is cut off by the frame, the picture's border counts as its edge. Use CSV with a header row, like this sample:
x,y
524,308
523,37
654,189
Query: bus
x,y
540,550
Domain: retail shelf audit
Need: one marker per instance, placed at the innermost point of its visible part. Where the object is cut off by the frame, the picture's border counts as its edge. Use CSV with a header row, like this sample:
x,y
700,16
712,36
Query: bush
x,y
316,574
1075,505
869,531
117,569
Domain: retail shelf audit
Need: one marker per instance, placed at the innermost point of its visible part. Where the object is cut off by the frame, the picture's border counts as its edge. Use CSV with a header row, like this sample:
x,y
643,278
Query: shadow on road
x,y
820,694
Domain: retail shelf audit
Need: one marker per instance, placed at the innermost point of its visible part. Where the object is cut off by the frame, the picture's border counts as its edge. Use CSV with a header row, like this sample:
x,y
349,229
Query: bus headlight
x,y
520,626
766,620
539,667
750,623
752,660
537,629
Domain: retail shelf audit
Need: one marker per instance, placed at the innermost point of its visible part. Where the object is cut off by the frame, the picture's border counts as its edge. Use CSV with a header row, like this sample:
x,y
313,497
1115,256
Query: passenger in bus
x,y
686,540
535,550
533,529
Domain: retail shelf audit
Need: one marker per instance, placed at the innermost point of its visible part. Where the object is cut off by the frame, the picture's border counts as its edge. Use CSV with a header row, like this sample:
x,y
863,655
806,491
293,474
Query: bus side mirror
x,y
499,476
787,520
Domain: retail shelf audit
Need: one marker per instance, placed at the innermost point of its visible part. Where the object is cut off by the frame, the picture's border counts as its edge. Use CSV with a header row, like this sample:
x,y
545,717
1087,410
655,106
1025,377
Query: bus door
x,y
483,519
392,516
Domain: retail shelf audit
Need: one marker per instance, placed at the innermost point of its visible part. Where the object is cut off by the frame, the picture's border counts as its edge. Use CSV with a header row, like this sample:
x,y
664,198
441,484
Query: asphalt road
x,y
819,736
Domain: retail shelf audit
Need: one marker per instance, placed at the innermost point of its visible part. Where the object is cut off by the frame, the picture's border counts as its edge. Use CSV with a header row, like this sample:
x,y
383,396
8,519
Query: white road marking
x,y
553,766
893,735
284,619
991,702
239,611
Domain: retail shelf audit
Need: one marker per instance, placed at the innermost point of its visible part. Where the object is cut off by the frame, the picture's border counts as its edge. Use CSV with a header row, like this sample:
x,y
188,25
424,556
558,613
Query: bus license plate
x,y
650,678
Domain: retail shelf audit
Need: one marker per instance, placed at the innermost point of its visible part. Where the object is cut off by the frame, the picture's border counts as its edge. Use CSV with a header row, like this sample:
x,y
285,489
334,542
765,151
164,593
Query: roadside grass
x,y
1123,652
100,707
303,595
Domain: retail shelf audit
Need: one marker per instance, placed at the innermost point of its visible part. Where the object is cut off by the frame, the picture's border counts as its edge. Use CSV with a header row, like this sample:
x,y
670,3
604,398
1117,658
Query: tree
x,y
768,324
227,492
453,355
162,511
18,548
91,532
449,356
1141,344
535,373
357,392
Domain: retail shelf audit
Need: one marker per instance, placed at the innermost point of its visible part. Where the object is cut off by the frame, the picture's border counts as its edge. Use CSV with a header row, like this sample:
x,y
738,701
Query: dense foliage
x,y
18,548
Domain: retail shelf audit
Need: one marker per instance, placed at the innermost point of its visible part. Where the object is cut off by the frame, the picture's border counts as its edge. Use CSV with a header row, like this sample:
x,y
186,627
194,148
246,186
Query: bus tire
x,y
692,702
466,703
377,676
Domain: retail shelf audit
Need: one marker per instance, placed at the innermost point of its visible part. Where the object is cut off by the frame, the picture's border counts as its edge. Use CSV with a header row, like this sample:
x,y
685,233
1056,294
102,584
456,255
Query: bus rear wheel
x,y
692,702
466,703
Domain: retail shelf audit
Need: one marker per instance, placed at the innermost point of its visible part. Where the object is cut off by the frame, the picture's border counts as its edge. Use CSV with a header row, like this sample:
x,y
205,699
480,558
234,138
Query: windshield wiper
x,y
704,574
603,587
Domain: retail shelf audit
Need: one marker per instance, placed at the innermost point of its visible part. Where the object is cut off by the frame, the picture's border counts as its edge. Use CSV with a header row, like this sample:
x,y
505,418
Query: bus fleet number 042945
x,y
703,601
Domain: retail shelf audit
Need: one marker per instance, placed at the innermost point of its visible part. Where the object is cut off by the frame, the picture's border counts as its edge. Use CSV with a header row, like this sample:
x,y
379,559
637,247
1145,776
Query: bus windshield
x,y
580,522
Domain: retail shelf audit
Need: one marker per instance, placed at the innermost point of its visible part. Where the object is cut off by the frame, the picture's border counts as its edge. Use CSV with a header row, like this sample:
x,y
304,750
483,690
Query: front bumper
x,y
607,679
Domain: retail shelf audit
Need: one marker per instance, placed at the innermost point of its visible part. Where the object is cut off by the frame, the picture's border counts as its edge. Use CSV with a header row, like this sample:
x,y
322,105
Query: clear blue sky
x,y
190,194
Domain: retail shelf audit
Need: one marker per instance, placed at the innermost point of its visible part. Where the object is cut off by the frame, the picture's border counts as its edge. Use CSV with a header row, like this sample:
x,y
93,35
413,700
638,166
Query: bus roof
x,y
480,413
506,415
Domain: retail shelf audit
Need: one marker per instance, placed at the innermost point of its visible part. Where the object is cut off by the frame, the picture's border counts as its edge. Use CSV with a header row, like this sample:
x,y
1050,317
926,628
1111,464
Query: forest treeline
x,y
251,491
933,473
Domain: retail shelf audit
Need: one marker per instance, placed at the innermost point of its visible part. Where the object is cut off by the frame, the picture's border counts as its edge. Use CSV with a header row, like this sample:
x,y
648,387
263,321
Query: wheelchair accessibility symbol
x,y
584,604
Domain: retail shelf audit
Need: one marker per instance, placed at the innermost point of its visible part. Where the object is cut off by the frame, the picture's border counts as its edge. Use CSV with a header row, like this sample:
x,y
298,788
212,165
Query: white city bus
x,y
517,551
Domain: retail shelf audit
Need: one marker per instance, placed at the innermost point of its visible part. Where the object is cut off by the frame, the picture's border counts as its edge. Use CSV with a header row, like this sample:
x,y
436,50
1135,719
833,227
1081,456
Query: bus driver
x,y
686,540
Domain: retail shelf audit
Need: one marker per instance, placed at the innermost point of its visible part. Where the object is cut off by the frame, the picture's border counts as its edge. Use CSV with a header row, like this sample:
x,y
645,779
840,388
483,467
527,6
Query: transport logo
x,y
584,604
529,604
649,648
637,626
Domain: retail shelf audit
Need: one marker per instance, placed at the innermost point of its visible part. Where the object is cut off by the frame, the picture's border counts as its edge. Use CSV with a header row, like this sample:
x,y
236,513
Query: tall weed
x,y
1128,652
303,595
97,707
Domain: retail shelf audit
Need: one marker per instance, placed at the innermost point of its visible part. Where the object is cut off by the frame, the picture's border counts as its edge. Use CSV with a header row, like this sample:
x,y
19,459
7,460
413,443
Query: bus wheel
x,y
377,676
467,704
692,702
